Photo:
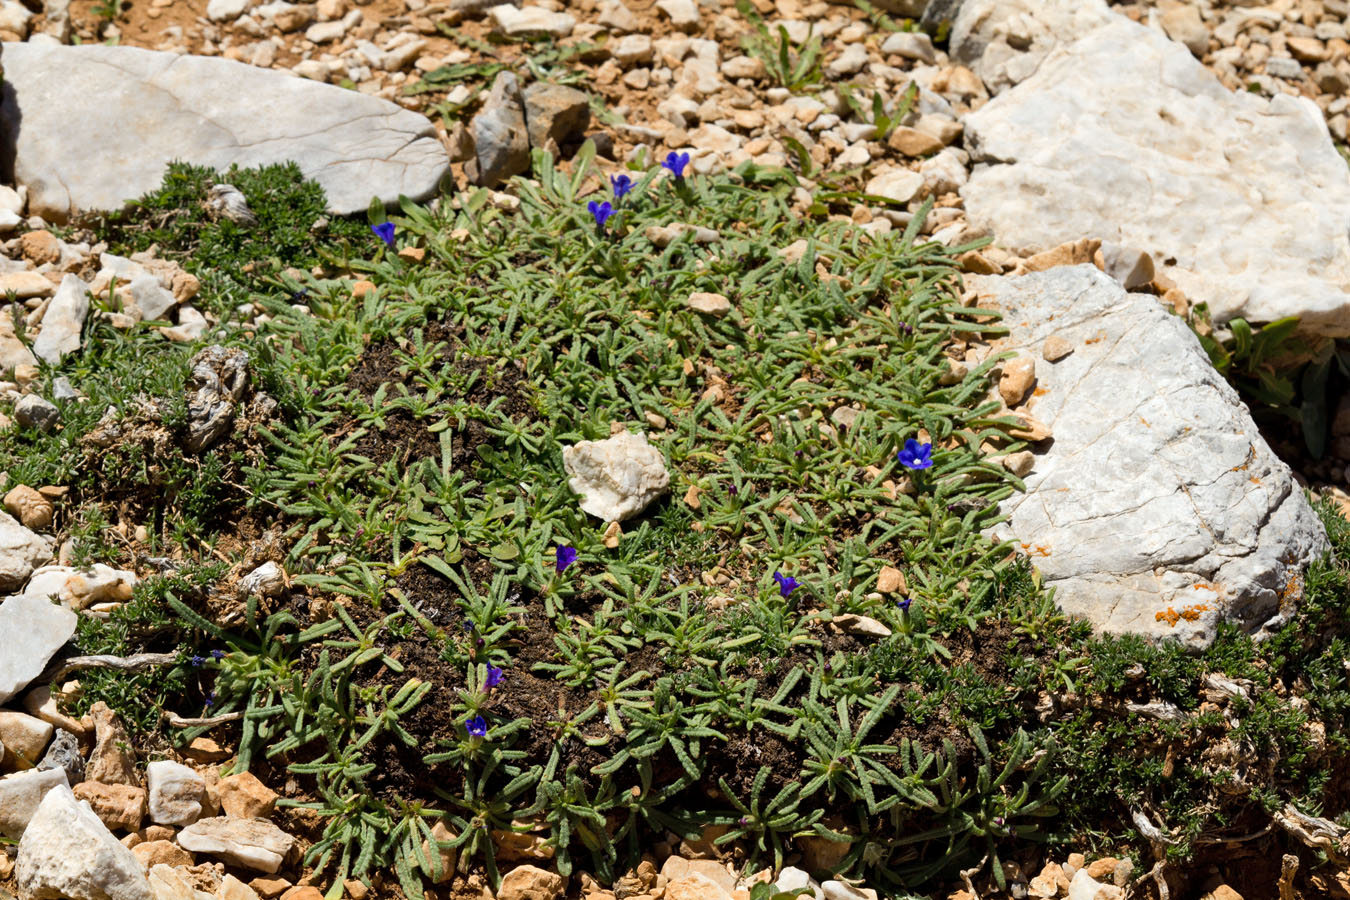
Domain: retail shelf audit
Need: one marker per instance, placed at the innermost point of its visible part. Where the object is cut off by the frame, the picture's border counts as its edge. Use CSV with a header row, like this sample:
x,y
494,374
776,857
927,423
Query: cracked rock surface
x,y
149,108
1158,509
1118,134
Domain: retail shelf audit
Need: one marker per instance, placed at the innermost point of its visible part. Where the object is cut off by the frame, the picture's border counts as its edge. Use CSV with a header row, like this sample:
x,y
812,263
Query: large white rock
x,y
176,793
63,321
34,628
151,107
81,588
251,843
21,551
1158,509
22,793
66,852
1124,136
616,477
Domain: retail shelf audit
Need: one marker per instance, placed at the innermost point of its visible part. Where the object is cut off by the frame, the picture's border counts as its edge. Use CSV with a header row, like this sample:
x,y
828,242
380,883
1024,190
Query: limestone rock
x,y
445,857
618,477
112,760
501,140
1084,887
63,321
176,793
530,883
154,853
714,305
245,797
695,886
82,588
1097,143
683,14
151,107
531,21
900,185
66,852
1019,375
26,284
555,112
20,552
1159,509
1182,24
34,629
20,795
121,807
251,843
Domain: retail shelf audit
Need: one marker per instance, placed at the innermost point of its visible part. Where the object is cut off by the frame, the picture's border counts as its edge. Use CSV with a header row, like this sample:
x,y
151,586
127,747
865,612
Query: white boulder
x,y
66,852
618,477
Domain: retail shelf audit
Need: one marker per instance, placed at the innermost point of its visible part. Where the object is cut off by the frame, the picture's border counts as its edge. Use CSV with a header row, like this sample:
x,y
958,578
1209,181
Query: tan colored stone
x,y
977,263
708,304
531,883
1055,348
245,797
355,889
157,833
913,142
696,887
270,886
232,888
42,703
1030,428
1307,49
26,284
448,856
705,846
821,854
29,507
303,892
153,853
613,532
121,807
413,254
203,749
1017,380
40,247
363,287
24,738
1073,253
112,760
1222,892
1102,868
891,580
1019,463
677,868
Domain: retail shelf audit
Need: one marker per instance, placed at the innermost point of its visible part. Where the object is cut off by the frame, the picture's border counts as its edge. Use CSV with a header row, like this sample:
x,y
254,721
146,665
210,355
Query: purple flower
x,y
676,162
211,698
904,604
622,184
601,211
494,677
217,655
565,557
385,232
476,726
786,583
916,455
197,661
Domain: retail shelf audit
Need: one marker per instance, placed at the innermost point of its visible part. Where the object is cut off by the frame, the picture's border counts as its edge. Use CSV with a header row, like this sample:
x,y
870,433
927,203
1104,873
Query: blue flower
x,y
786,583
211,698
622,184
916,455
904,604
494,677
566,556
601,211
197,661
385,232
676,162
476,726
217,655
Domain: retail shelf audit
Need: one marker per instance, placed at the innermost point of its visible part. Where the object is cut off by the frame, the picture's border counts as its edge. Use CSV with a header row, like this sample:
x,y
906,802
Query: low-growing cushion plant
x,y
460,643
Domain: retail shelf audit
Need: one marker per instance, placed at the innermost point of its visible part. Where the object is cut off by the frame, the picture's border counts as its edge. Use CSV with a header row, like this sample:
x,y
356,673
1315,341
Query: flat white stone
x,y
66,852
1158,509
152,107
63,321
22,793
1123,136
21,551
252,843
34,628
